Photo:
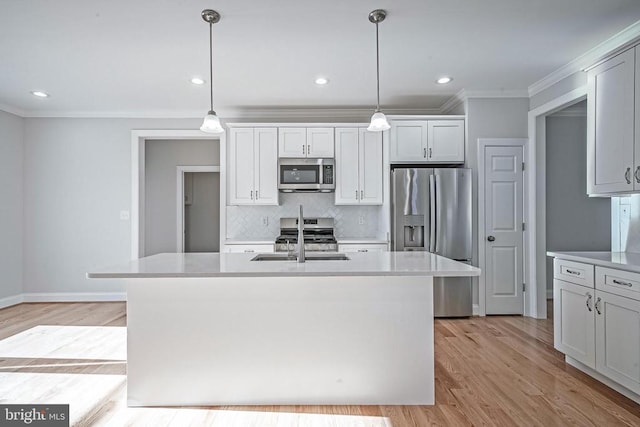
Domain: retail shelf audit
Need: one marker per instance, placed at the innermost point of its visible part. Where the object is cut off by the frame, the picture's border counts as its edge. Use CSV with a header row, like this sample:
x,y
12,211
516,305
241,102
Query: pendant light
x,y
379,122
211,122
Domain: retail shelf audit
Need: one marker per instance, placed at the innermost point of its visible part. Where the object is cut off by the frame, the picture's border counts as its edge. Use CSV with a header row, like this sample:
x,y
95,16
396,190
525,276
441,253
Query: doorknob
x,y
491,238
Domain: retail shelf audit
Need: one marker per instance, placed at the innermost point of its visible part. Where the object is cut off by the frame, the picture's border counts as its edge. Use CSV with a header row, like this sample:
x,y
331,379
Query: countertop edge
x,y
584,257
450,273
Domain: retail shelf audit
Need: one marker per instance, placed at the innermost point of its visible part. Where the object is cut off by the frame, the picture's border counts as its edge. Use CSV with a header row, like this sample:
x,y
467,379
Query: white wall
x,y
574,81
575,222
161,160
490,118
11,208
202,216
77,180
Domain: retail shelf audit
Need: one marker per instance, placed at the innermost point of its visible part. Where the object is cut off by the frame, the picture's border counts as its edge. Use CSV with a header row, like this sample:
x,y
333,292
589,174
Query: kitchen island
x,y
220,329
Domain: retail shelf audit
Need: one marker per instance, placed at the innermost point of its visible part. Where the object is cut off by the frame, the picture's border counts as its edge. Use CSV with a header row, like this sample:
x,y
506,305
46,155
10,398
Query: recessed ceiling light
x,y
322,81
197,81
39,94
444,80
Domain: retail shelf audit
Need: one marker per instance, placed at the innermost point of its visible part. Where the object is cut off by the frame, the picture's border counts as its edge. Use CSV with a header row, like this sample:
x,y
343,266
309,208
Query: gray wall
x,y
575,222
490,118
202,216
11,208
77,180
161,160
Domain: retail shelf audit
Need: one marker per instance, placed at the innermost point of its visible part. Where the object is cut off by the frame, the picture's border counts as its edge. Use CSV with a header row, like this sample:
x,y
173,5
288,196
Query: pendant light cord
x,y
377,69
211,61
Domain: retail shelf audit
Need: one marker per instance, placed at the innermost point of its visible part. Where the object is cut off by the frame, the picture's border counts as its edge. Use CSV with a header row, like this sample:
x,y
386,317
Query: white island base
x,y
311,340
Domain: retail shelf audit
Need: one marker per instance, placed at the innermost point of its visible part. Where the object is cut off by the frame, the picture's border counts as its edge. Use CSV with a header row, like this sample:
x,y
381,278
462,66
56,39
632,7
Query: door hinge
x,y
523,227
524,288
523,166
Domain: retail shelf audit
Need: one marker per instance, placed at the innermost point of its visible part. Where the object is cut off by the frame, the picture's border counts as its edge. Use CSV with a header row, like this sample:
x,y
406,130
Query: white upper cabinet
x,y
253,166
611,148
445,141
427,141
358,167
306,142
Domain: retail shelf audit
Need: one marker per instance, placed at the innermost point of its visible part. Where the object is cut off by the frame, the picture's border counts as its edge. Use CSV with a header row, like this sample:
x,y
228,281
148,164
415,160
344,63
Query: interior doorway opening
x,y
198,209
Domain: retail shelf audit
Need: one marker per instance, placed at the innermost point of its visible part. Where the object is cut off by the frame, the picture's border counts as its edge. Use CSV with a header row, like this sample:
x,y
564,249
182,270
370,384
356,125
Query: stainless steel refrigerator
x,y
431,211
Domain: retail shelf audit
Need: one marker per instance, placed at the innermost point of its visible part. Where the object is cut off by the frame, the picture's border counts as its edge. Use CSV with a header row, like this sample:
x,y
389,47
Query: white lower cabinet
x,y
257,248
600,329
574,323
618,339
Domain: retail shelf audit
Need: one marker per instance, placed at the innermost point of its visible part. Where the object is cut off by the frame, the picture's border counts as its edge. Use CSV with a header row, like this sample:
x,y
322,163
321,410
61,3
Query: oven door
x,y
304,175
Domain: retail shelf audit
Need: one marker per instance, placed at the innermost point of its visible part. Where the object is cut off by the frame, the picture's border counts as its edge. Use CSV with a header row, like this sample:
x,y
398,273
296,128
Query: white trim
x,y
138,139
570,113
475,310
549,293
598,376
12,110
605,48
180,170
463,95
535,212
12,300
483,143
74,296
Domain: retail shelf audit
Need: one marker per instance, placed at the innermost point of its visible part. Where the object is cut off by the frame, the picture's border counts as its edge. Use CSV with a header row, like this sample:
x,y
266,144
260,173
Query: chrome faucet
x,y
301,237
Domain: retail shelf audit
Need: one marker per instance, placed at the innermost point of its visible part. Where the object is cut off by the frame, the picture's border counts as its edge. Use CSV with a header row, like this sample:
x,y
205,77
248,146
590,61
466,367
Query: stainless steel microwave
x,y
302,174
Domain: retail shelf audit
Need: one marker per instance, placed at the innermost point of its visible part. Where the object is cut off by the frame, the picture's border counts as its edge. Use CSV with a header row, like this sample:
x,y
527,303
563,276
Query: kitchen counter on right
x,y
629,261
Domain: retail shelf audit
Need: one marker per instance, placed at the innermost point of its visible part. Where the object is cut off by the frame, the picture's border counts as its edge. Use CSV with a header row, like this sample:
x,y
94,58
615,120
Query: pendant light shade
x,y
211,123
379,121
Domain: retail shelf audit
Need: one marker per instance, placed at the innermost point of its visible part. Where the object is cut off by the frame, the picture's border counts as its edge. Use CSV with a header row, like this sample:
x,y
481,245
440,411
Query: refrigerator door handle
x,y
432,213
438,204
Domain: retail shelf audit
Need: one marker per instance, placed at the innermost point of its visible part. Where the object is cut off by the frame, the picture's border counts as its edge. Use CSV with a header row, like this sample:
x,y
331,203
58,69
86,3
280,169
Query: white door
x,y
408,141
574,322
503,239
320,142
292,142
241,166
347,191
266,161
370,161
445,141
618,339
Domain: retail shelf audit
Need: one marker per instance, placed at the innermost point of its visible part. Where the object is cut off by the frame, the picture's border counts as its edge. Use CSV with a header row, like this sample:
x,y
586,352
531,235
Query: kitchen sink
x,y
309,257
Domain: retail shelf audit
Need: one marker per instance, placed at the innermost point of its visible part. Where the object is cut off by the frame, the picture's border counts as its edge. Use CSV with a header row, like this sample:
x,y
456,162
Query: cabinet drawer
x,y
573,272
366,247
618,282
238,248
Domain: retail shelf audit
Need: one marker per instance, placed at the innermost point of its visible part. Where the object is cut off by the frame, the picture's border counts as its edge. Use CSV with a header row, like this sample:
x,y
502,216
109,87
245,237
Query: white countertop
x,y
359,241
240,265
249,242
628,261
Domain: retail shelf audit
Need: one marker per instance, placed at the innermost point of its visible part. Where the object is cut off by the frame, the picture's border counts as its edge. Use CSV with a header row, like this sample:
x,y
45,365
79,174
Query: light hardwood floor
x,y
499,370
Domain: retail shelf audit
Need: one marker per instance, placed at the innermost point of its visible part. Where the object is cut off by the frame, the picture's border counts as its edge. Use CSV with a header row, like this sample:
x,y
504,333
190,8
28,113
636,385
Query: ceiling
x,y
123,57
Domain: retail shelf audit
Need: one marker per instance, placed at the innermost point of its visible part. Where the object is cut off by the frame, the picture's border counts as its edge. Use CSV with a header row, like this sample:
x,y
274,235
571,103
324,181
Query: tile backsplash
x,y
248,222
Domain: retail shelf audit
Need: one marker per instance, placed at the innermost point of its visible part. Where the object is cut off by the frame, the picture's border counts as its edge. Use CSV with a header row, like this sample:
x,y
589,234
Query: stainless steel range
x,y
318,235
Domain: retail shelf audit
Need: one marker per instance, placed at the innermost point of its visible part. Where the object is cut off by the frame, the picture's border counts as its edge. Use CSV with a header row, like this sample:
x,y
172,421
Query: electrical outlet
x,y
361,219
265,221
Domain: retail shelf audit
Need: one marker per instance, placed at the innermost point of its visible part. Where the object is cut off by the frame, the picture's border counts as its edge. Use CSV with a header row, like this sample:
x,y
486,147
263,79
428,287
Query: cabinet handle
x,y
430,152
620,282
251,194
598,301
356,194
308,149
361,194
575,273
303,148
425,153
249,250
636,174
627,175
363,250
256,194
589,298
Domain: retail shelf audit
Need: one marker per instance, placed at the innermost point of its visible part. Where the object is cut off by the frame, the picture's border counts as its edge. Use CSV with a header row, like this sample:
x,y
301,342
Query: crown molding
x,y
464,95
609,46
13,110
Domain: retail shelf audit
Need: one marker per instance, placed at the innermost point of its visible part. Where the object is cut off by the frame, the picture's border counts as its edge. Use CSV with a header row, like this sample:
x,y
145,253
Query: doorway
x,y
198,209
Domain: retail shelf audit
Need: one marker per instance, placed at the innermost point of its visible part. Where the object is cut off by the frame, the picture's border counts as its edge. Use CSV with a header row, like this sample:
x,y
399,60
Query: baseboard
x,y
74,296
549,293
597,375
475,309
12,300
